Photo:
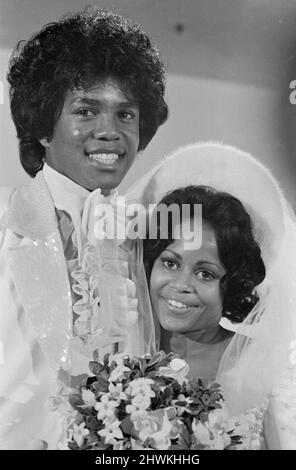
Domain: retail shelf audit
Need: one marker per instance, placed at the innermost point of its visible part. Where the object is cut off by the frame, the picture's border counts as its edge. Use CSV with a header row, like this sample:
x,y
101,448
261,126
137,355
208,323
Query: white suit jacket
x,y
31,263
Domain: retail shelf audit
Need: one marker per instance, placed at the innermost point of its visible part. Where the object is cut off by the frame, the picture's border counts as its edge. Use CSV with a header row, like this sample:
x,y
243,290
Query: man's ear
x,y
44,142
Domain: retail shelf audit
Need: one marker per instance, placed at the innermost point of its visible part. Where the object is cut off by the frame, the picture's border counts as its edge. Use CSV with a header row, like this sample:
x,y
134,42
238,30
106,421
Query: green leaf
x,y
73,446
156,358
167,393
100,385
91,423
181,403
135,374
76,400
184,439
95,367
106,362
127,426
215,386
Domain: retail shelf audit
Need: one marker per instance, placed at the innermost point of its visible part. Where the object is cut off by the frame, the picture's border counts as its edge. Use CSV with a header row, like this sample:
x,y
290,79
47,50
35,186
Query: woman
x,y
258,354
191,289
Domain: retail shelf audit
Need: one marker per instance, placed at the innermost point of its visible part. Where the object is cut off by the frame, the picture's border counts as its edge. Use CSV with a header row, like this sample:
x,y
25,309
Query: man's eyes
x,y
127,115
86,112
123,115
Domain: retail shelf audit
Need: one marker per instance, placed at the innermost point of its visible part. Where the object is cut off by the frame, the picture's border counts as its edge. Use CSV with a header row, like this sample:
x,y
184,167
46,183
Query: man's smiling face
x,y
96,137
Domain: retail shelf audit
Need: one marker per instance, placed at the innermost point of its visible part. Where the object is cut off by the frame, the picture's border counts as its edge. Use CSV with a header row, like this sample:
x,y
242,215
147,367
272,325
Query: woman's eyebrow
x,y
173,253
210,263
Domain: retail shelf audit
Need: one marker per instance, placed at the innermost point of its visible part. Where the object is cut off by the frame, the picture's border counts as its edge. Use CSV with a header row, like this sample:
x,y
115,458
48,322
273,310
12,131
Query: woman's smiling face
x,y
185,285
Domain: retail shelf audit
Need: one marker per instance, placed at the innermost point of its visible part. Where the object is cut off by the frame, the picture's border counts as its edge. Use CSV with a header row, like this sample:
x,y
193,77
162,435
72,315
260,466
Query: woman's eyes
x,y
169,264
201,274
205,275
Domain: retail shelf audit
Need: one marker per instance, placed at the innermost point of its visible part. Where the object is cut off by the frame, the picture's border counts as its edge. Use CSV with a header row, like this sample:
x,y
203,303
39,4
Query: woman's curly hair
x,y
238,251
76,52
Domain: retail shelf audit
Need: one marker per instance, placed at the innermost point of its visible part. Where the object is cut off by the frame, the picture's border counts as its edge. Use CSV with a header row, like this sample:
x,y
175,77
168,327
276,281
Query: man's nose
x,y
106,128
183,282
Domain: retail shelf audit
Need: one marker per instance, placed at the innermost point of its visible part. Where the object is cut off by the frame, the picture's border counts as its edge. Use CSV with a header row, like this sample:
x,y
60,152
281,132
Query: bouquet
x,y
145,403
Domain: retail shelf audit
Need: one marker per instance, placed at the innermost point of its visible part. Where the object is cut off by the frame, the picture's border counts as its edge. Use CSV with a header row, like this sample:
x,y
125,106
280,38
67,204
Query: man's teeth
x,y
176,304
107,158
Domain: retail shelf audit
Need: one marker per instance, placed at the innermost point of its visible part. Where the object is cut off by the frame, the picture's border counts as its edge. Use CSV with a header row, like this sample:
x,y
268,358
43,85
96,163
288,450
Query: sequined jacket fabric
x,y
30,239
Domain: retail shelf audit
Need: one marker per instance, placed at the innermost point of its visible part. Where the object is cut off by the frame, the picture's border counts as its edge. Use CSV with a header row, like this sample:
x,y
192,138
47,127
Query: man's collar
x,y
31,212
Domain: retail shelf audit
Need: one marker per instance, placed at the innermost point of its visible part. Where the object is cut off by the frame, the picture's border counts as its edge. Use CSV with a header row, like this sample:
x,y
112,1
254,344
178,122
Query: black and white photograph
x,y
148,228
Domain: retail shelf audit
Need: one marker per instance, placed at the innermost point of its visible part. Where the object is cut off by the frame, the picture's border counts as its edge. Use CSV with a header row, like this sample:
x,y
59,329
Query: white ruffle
x,y
105,304
102,317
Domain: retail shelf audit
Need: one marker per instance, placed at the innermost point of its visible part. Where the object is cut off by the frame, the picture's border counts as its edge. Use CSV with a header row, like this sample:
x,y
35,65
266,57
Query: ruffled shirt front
x,y
103,297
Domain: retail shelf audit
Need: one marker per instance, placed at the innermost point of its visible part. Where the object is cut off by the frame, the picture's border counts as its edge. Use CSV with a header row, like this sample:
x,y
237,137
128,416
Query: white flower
x,y
105,407
141,386
160,439
79,433
118,373
177,369
118,445
138,406
178,364
89,398
213,433
201,432
117,358
218,420
153,428
111,432
221,441
116,392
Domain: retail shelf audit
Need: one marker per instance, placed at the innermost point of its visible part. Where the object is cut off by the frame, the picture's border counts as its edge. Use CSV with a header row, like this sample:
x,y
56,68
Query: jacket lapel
x,y
39,270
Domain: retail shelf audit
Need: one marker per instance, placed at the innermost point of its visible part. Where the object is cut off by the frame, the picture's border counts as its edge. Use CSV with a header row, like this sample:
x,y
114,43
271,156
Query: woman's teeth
x,y
176,304
106,158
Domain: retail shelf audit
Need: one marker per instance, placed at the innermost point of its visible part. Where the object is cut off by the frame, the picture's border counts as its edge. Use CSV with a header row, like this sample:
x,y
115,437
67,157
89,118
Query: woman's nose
x,y
106,128
183,282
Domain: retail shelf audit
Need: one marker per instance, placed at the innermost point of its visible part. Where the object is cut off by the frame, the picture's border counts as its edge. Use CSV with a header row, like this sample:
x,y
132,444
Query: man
x,y
87,94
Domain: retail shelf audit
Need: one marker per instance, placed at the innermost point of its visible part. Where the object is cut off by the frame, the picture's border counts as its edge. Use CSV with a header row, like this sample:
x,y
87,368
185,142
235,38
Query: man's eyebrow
x,y
95,102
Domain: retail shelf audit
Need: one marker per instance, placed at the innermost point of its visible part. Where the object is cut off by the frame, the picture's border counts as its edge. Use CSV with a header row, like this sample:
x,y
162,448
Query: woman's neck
x,y
214,335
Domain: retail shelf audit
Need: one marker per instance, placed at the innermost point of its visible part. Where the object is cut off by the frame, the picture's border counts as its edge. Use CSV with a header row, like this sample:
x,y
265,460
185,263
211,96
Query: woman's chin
x,y
174,326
